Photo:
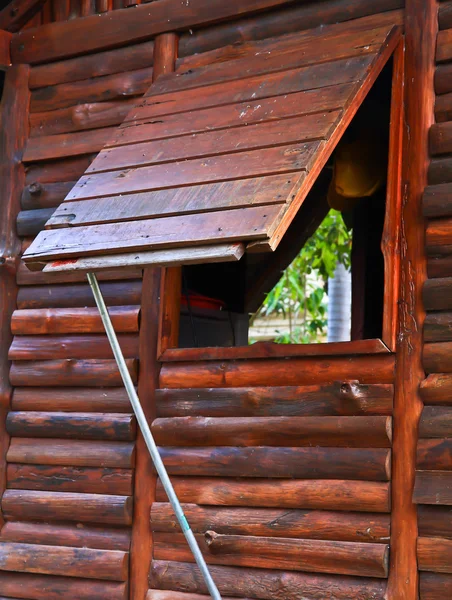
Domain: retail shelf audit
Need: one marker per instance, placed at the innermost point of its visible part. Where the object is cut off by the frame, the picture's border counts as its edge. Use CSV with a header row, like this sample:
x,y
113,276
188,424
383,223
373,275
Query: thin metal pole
x,y
147,435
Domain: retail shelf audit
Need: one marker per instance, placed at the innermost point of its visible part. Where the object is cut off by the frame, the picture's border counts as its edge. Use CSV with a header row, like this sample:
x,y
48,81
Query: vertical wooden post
x,y
13,136
421,29
145,480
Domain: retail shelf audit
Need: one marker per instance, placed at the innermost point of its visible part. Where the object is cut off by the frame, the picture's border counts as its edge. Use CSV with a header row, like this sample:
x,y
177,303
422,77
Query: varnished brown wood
x,y
438,327
321,525
252,582
79,295
13,134
346,398
297,371
319,494
145,480
439,266
434,454
273,350
434,521
170,595
71,400
315,556
70,373
434,554
5,43
436,422
437,200
433,586
443,108
436,389
89,426
71,453
304,463
437,358
437,294
64,506
46,587
364,432
87,480
81,536
67,144
140,23
53,560
18,12
25,277
53,347
170,294
445,15
73,320
40,195
58,171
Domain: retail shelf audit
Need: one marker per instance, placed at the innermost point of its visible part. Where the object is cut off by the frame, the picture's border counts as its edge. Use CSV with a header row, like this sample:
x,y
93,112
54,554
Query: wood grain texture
x,y
346,398
20,505
70,373
67,144
364,432
13,134
433,586
44,587
436,422
95,400
315,556
434,454
18,12
436,389
434,521
45,195
304,463
436,357
434,554
437,294
326,494
271,372
89,426
433,487
73,320
77,536
320,525
88,480
76,453
262,584
59,560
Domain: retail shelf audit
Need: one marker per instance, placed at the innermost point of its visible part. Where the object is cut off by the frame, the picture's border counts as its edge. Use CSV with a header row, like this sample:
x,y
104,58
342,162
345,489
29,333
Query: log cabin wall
x,y
433,486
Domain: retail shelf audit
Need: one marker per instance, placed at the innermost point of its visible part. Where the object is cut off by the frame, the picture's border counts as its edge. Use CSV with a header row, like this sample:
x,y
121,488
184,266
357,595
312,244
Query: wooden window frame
x,y
170,291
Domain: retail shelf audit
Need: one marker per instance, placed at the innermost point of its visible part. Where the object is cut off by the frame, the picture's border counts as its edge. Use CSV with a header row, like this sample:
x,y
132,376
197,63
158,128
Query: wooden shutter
x,y
218,156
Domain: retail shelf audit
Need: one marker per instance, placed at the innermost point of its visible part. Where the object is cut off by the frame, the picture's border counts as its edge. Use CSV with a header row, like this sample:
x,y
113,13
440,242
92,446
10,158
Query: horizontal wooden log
x,y
31,222
362,496
121,28
87,480
443,108
76,536
82,426
44,587
440,137
80,117
433,487
64,506
57,171
272,349
445,15
67,144
313,556
71,296
434,554
15,15
439,233
129,58
443,84
71,400
356,432
257,583
55,321
285,20
434,454
339,398
437,294
319,525
438,327
437,357
170,595
53,560
435,521
97,89
436,422
439,266
444,46
45,195
273,372
435,586
71,453
70,373
440,170
304,463
48,347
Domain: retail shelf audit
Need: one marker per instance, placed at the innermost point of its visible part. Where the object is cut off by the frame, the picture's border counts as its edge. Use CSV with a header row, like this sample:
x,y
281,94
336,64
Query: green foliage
x,y
300,294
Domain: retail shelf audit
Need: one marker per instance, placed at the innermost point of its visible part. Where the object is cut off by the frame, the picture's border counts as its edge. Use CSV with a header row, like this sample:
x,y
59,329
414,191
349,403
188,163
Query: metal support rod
x,y
147,435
